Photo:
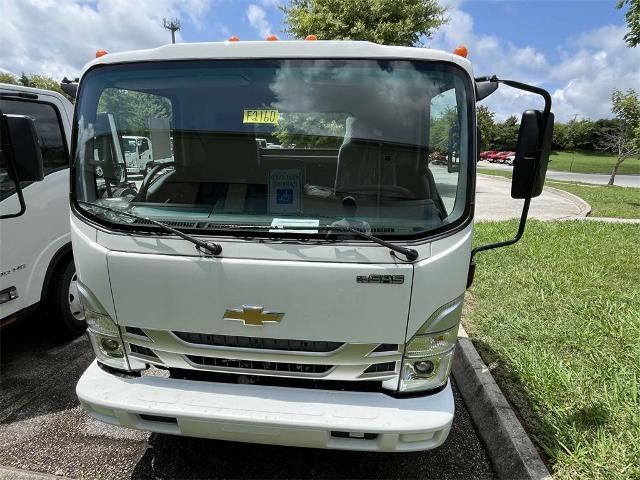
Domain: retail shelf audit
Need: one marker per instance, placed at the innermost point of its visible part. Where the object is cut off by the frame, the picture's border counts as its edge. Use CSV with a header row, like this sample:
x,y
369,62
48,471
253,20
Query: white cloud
x,y
591,65
271,3
57,37
258,19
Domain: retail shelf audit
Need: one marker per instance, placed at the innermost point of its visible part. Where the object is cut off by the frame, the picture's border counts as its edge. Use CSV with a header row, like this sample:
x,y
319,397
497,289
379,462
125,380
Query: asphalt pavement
x,y
594,178
43,429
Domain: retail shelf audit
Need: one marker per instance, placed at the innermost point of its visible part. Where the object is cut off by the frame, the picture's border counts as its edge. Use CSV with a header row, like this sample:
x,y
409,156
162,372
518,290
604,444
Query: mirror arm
x,y
527,201
13,173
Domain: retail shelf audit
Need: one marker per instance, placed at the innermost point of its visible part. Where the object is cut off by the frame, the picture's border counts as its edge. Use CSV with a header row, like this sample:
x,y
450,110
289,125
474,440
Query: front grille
x,y
303,368
381,367
142,350
386,347
260,343
287,382
135,331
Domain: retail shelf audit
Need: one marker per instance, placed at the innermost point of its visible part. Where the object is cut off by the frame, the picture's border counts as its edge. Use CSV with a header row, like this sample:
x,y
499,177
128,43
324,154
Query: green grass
x,y
591,162
605,200
557,319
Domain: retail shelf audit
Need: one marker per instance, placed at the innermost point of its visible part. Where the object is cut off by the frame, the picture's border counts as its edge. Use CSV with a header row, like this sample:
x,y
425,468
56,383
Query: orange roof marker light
x,y
461,50
233,38
101,53
310,37
272,38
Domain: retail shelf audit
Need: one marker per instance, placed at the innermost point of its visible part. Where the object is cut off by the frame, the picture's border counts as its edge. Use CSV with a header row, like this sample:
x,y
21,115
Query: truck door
x,y
29,242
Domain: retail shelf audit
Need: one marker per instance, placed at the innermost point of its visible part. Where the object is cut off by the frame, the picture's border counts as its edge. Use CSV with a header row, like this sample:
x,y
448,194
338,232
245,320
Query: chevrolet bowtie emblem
x,y
253,315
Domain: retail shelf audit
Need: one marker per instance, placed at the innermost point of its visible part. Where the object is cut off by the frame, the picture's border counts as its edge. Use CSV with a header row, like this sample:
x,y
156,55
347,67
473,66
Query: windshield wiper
x,y
210,247
410,253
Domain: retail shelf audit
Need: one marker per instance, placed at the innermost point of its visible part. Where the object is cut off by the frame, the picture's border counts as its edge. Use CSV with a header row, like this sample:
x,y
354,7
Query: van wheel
x,y
64,305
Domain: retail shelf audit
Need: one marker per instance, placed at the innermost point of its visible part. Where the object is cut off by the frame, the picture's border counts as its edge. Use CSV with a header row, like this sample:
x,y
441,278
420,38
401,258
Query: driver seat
x,y
363,164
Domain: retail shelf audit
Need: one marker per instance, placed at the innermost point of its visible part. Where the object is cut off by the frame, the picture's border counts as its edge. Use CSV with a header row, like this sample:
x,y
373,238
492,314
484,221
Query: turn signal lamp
x,y
272,38
101,53
461,50
310,37
233,38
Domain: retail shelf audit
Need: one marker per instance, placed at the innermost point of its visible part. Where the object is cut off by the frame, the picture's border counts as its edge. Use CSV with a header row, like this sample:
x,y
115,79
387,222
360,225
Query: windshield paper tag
x,y
284,191
297,222
260,116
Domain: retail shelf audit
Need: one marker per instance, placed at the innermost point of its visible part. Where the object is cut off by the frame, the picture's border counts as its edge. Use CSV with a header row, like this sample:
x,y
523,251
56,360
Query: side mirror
x,y
27,153
532,155
20,159
531,160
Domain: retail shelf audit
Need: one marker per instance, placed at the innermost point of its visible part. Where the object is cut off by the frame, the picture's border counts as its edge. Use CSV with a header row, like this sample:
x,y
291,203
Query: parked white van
x,y
36,262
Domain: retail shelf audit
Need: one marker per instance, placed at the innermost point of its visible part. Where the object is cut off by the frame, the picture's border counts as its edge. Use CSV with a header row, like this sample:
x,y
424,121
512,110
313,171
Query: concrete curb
x,y
509,448
585,208
608,219
9,473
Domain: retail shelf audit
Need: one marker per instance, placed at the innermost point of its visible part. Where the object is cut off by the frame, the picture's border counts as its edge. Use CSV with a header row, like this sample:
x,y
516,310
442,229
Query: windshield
x,y
381,146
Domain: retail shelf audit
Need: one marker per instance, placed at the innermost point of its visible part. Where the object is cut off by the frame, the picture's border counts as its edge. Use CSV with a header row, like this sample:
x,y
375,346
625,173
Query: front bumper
x,y
271,415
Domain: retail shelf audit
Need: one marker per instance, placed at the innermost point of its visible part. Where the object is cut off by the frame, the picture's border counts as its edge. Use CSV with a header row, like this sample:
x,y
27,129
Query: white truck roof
x,y
60,101
280,49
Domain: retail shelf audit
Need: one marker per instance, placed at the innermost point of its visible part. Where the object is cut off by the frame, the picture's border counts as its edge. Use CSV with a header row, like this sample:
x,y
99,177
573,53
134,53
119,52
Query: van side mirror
x,y
27,153
532,155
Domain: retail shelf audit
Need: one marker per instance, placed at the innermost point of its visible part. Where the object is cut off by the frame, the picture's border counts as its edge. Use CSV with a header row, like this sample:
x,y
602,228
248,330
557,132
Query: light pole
x,y
573,151
172,24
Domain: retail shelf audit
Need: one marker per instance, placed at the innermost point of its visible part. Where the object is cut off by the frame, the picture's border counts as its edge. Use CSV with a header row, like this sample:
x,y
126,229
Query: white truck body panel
x,y
28,243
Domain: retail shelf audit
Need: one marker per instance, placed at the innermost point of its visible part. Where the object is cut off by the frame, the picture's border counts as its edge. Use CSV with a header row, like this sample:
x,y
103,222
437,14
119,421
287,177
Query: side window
x,y
47,123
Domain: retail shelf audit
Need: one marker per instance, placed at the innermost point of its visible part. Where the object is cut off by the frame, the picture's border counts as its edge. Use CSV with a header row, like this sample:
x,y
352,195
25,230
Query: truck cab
x,y
36,261
308,295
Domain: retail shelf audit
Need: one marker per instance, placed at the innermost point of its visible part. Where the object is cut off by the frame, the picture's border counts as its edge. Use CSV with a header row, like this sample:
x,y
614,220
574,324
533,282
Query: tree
x,y
632,37
34,81
440,130
6,77
624,139
579,134
389,22
506,134
133,110
560,136
487,125
311,131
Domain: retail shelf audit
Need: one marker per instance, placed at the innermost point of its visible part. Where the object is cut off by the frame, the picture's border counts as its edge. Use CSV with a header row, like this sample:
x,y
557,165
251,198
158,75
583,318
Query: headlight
x,y
427,359
106,341
103,331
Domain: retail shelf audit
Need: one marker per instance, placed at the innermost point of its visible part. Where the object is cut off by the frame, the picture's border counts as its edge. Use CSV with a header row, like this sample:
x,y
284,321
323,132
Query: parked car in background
x,y
36,262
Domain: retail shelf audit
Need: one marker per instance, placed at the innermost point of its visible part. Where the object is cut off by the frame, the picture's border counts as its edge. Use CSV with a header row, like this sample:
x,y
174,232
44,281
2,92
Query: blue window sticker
x,y
284,196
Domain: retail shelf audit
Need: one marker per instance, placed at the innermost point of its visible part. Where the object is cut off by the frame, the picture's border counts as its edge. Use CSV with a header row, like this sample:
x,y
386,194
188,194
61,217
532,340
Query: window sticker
x,y
284,190
260,116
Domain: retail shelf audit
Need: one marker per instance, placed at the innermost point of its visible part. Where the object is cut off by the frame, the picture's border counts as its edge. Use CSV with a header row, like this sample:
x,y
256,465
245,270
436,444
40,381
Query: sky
x,y
573,48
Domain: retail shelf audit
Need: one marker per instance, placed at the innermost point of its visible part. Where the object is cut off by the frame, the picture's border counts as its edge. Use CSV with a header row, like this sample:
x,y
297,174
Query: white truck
x,y
139,155
306,296
36,261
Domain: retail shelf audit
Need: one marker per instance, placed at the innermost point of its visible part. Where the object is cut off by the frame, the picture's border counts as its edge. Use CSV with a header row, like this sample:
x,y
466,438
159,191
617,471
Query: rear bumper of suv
x,y
271,415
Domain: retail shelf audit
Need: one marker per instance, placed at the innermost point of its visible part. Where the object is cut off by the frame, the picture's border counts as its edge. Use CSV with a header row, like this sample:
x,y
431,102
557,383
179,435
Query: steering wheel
x,y
142,194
